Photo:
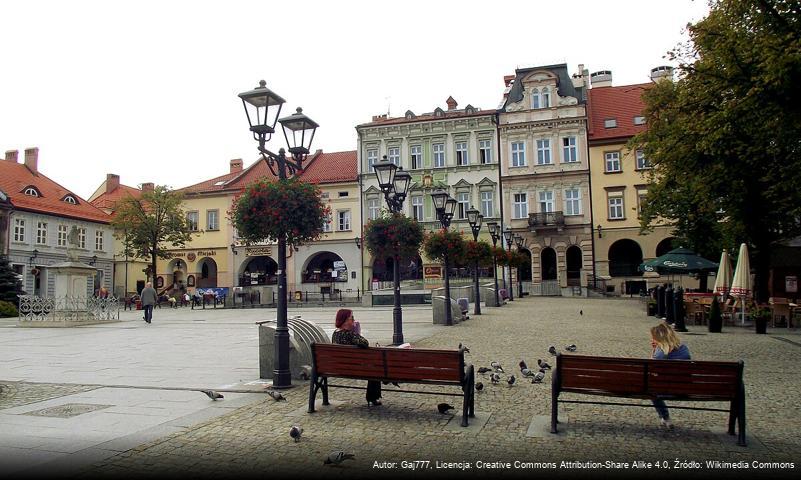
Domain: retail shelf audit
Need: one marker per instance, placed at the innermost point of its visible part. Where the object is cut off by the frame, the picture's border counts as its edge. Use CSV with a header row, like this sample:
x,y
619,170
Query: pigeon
x,y
213,395
295,432
538,377
464,347
511,380
444,407
571,348
484,369
305,372
543,365
497,367
523,365
552,350
495,378
479,386
527,372
276,395
336,458
581,312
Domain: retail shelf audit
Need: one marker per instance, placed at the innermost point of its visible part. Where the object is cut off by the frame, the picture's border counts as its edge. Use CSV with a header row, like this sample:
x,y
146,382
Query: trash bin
x,y
302,333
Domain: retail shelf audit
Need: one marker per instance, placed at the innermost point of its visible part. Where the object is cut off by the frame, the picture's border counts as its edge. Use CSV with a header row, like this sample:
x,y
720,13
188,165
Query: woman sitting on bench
x,y
348,334
666,345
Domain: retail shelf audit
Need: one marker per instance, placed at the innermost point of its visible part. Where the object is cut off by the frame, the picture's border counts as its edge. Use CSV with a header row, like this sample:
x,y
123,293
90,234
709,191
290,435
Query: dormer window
x,y
535,98
70,199
31,192
438,112
639,120
610,123
546,97
409,115
469,109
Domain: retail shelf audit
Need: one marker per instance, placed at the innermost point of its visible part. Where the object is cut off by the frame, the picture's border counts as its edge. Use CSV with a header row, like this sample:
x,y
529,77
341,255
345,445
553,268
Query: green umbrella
x,y
679,261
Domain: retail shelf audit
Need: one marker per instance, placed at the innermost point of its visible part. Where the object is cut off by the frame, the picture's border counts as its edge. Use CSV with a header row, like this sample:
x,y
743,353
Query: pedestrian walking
x,y
149,298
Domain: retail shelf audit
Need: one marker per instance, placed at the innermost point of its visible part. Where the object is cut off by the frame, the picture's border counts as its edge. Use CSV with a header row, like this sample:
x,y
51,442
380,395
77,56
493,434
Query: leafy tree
x,y
150,223
10,284
725,139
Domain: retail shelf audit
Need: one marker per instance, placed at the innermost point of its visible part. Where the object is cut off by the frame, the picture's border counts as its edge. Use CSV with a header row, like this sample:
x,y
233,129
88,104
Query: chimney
x,y
32,159
236,165
578,79
112,182
377,118
602,78
663,71
451,103
147,187
12,155
507,80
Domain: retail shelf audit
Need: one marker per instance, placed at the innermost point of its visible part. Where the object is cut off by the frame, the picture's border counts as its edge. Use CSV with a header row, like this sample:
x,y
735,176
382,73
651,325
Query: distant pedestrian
x,y
149,298
666,345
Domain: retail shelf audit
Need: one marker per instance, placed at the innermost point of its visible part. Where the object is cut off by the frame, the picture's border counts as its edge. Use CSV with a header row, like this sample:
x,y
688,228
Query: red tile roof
x,y
107,200
321,167
15,177
622,103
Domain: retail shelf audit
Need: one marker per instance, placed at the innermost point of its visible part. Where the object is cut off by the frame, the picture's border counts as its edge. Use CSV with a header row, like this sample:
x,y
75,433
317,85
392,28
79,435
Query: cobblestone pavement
x,y
254,440
14,394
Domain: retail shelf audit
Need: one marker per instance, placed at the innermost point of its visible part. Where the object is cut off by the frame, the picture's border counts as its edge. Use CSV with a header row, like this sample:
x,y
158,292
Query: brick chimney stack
x,y
32,159
147,187
377,118
451,103
236,165
12,155
112,182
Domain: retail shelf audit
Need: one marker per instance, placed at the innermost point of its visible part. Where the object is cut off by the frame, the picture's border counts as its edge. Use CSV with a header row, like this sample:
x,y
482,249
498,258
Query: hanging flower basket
x,y
444,242
501,256
517,259
268,210
393,234
477,251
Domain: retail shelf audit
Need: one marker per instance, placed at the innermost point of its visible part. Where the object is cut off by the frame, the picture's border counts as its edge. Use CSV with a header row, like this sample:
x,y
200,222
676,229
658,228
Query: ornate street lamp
x,y
521,244
495,235
445,206
507,235
394,184
474,218
262,107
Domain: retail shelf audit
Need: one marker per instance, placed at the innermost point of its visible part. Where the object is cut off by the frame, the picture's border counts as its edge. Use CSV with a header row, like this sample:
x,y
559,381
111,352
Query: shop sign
x,y
432,272
258,251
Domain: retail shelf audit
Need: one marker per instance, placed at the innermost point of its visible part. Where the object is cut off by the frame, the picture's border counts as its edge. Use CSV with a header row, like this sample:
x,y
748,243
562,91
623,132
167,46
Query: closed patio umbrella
x,y
723,278
741,283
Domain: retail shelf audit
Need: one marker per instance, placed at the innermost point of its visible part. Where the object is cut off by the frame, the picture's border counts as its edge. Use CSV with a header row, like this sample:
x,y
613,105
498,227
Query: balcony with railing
x,y
546,221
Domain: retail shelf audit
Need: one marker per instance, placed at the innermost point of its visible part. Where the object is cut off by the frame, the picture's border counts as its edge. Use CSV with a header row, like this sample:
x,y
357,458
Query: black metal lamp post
x,y
262,107
394,184
521,243
495,234
474,218
445,205
507,235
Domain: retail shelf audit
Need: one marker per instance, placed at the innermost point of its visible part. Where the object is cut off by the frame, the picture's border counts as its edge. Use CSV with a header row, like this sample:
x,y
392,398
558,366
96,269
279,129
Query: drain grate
x,y
67,410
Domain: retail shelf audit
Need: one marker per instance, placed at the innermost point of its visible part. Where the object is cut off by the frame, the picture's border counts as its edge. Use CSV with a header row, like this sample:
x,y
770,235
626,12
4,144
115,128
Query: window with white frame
x,y
518,154
612,161
372,159
535,98
344,220
192,220
642,197
212,219
642,162
373,208
639,120
19,229
546,201
520,205
569,150
99,237
438,149
416,157
572,201
543,151
462,204
487,208
610,123
393,155
546,97
71,200
31,192
485,151
327,223
616,208
41,233
417,207
461,154
82,237
62,236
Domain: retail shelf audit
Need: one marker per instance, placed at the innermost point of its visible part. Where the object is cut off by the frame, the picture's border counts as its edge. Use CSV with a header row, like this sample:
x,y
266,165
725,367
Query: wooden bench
x,y
651,379
387,364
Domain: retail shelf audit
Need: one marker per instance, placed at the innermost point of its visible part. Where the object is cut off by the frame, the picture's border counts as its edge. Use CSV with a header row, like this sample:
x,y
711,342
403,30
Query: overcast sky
x,y
147,89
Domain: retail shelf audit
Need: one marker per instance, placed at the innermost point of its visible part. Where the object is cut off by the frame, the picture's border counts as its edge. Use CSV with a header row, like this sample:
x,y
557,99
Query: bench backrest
x,y
646,378
386,363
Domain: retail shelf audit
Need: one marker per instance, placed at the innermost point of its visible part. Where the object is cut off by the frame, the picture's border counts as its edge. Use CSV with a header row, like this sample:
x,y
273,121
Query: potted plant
x,y
761,315
715,316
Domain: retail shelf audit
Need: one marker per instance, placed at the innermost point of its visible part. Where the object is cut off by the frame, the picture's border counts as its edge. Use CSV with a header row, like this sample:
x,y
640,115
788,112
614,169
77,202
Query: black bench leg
x,y
312,392
324,386
554,401
733,410
472,412
741,417
467,389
